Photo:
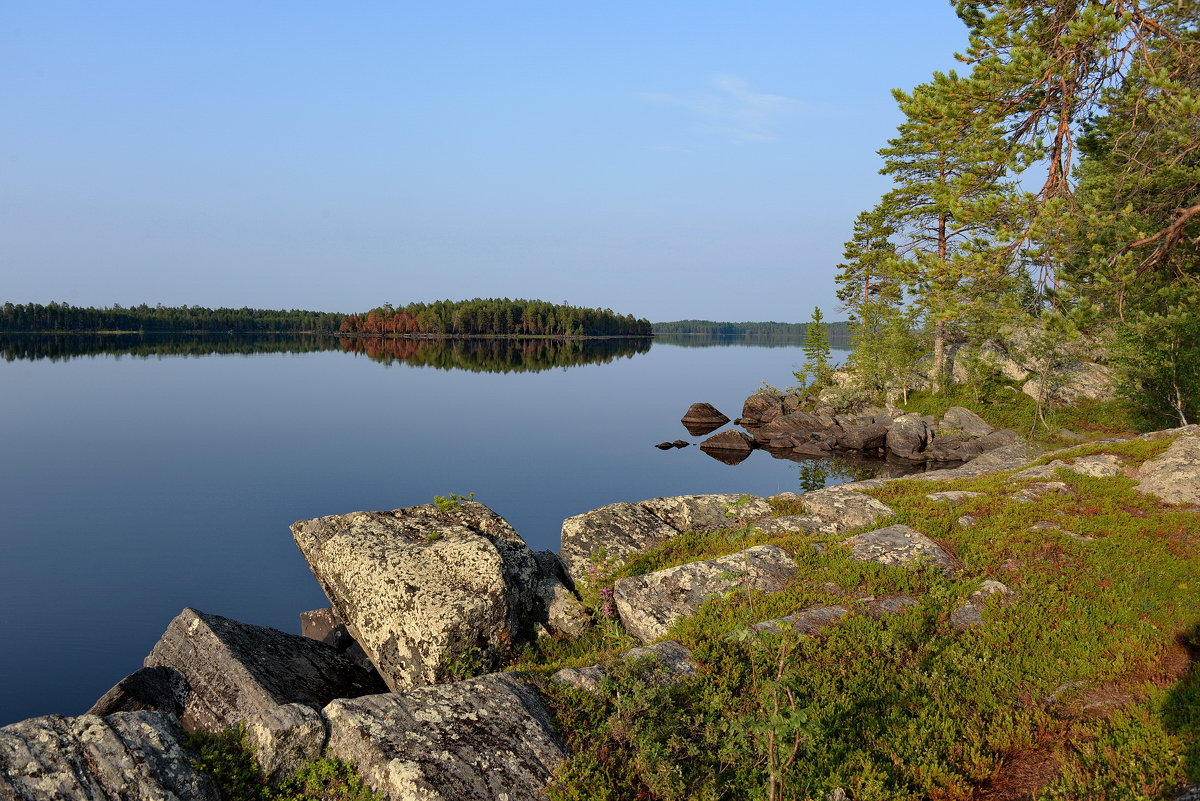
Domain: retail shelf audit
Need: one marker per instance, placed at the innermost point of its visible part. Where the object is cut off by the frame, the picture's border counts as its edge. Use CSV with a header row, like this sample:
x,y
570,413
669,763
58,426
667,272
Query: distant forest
x,y
477,317
64,317
491,316
839,333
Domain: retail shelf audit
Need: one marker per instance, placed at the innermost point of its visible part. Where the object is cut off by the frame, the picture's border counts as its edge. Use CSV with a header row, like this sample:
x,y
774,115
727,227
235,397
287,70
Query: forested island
x,y
759,333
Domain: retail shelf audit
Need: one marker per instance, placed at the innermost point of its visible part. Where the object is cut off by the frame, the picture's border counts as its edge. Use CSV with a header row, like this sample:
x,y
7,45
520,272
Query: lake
x,y
144,475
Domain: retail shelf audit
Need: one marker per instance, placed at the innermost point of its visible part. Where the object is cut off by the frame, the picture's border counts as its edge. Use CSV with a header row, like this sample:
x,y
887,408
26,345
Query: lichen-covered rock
x,y
707,512
1175,476
234,669
650,603
559,610
791,523
585,678
844,508
899,546
127,756
161,688
420,588
807,621
484,739
1007,457
953,496
285,737
908,435
969,613
618,530
1073,382
1101,465
1040,489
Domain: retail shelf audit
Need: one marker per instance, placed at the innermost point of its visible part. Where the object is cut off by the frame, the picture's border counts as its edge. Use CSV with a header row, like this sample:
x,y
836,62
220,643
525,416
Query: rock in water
x,y
701,418
423,588
908,436
728,445
761,408
234,669
649,604
484,739
129,755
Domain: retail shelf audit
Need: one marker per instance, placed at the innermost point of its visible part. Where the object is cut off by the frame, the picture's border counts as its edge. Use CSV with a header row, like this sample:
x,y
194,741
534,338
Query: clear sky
x,y
669,159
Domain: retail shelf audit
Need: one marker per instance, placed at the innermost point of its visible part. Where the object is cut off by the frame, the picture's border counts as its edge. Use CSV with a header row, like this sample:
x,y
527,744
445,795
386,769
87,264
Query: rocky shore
x,y
402,674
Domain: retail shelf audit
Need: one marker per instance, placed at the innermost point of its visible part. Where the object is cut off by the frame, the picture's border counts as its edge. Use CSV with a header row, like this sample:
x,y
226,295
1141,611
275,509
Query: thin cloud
x,y
732,108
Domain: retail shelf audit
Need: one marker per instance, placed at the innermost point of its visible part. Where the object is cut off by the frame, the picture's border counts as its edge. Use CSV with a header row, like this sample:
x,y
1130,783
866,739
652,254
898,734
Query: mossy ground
x,y
1079,686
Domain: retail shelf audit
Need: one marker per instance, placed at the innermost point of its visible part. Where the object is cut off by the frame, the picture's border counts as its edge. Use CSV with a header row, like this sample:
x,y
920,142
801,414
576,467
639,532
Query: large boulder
x,y
161,688
1175,476
965,422
138,756
285,737
1073,382
866,437
618,531
425,588
234,669
908,436
484,739
793,423
732,446
650,603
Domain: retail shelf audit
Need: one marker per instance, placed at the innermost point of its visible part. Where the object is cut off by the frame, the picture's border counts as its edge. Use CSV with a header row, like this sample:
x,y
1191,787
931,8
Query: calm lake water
x,y
134,485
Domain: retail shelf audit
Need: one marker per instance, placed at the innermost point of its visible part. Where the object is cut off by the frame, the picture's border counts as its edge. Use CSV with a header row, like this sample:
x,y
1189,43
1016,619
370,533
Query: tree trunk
x,y
939,357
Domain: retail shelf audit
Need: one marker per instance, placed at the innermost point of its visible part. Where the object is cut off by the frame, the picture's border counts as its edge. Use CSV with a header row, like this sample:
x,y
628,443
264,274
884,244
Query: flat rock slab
x,y
1041,489
844,508
649,604
899,546
127,756
707,512
421,587
814,620
969,614
672,662
1006,457
1102,465
235,670
1175,476
953,496
790,524
484,739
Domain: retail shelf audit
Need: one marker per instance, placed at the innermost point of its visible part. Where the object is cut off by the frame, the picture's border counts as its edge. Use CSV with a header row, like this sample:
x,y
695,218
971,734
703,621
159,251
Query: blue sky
x,y
668,159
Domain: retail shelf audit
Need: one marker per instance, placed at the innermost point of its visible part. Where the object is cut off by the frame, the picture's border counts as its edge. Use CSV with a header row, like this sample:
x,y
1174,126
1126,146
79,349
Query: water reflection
x,y
476,355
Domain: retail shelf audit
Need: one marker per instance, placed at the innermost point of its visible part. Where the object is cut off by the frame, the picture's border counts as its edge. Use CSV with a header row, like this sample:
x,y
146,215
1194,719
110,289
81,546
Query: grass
x,y
1078,688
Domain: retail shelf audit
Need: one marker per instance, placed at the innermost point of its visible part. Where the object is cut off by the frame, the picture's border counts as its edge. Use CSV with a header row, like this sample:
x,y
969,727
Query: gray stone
x,y
619,530
234,669
485,739
1175,476
324,625
968,521
863,437
793,423
559,610
1040,489
733,441
1006,457
844,508
958,418
1046,525
1073,382
422,587
1100,465
899,546
161,688
672,662
969,613
807,621
953,496
707,512
127,756
649,604
285,737
908,436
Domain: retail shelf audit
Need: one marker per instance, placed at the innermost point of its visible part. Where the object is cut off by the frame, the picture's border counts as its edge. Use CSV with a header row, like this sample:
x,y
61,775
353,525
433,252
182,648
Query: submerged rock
x,y
650,603
425,587
484,739
234,669
127,755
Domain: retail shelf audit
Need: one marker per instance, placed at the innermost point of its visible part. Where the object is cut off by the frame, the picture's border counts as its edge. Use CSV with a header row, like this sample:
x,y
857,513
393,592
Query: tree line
x,y
64,317
494,316
782,333
1049,191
